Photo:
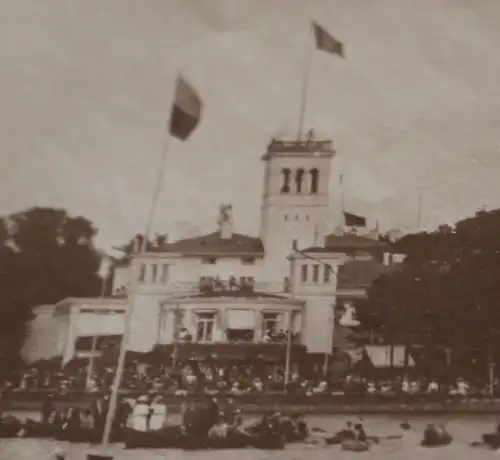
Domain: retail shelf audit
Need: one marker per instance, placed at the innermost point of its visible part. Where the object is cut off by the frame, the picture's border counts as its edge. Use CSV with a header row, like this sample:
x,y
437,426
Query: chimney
x,y
137,244
226,222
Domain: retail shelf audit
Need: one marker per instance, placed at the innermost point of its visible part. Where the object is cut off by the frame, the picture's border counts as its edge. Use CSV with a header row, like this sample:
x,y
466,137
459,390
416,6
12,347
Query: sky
x,y
86,88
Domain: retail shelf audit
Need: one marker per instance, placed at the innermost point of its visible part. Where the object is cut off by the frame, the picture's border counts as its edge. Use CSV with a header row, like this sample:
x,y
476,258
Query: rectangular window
x,y
248,261
315,276
240,335
247,282
205,327
164,273
269,322
209,261
303,273
154,272
142,273
327,274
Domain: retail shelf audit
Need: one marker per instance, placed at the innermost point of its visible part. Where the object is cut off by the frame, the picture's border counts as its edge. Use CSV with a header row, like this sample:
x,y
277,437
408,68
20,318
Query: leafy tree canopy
x,y
447,291
46,255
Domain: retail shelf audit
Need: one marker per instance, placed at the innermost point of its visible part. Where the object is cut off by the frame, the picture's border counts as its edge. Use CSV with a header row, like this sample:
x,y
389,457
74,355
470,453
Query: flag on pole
x,y
352,220
186,110
105,267
326,42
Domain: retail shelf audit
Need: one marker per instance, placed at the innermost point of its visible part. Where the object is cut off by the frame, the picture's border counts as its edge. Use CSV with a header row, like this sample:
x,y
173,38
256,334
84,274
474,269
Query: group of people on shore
x,y
213,419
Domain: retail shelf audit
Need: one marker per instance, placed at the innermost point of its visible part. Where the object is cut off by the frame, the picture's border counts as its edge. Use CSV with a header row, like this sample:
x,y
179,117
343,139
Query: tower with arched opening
x,y
295,201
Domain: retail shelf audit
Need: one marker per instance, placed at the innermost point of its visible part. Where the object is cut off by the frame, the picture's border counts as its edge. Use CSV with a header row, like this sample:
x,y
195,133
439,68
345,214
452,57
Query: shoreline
x,y
320,405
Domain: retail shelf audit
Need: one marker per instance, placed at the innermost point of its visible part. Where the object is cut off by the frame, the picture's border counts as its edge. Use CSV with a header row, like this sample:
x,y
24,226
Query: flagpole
x,y
128,314
176,335
90,369
289,341
156,194
305,86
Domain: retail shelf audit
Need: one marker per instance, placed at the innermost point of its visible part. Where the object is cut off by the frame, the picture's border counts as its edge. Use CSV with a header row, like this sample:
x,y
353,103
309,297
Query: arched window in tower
x,y
314,181
299,178
285,188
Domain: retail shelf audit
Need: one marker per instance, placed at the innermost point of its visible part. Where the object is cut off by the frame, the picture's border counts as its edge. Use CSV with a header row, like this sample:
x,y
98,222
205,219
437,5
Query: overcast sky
x,y
86,86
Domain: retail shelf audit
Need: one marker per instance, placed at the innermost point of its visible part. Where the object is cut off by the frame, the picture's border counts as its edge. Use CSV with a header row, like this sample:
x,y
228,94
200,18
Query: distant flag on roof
x,y
186,110
326,42
352,220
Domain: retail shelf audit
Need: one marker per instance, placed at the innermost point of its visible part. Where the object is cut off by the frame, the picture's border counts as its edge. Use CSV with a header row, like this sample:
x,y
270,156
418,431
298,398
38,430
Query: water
x,y
464,429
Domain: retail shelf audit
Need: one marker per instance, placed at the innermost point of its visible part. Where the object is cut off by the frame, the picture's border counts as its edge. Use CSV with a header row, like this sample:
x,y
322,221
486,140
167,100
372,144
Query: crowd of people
x,y
145,422
195,377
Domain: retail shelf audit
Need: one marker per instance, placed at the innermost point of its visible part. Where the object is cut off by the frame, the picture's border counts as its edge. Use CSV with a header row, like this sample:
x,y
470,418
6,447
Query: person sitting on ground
x,y
300,426
360,434
347,432
431,435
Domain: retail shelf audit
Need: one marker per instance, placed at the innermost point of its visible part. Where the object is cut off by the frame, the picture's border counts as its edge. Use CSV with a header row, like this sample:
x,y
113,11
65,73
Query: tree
x,y
45,256
447,291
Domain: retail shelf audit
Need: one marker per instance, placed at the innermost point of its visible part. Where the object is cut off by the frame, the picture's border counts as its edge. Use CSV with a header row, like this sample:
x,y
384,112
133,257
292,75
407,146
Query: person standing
x,y
159,413
140,414
47,408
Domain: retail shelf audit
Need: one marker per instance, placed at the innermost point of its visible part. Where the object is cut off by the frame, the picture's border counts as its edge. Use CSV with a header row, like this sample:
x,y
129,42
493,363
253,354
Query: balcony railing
x,y
253,337
216,284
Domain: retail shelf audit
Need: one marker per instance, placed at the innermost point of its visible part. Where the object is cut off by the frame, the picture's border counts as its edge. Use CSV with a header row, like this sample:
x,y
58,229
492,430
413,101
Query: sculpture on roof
x,y
225,214
348,318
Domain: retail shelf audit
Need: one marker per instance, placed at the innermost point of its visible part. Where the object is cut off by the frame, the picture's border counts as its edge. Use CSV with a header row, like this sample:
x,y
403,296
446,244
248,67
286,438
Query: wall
x,y
42,341
293,216
320,298
229,311
93,322
144,322
121,278
184,273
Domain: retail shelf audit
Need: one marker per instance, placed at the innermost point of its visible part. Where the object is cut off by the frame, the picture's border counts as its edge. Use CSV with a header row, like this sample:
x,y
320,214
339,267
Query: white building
x,y
229,288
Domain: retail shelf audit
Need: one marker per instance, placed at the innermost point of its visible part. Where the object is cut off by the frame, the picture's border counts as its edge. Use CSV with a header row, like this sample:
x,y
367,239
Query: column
x,y
257,337
69,346
287,320
306,183
220,324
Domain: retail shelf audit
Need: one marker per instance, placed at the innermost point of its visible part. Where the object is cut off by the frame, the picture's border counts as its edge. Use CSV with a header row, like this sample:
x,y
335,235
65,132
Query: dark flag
x,y
186,110
352,220
326,42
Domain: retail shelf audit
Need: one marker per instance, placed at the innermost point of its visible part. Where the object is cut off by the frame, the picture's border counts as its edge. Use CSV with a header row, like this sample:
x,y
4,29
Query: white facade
x,y
161,284
295,202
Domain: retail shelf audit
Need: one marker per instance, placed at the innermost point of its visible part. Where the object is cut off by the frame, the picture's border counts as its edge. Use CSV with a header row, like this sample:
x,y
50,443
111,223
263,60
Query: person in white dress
x,y
159,414
140,414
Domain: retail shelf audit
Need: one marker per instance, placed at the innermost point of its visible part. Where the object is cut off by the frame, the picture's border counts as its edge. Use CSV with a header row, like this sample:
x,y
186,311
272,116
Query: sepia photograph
x,y
255,229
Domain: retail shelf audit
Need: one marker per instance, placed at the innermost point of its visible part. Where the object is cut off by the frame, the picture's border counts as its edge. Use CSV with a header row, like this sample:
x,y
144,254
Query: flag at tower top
x,y
326,42
186,110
